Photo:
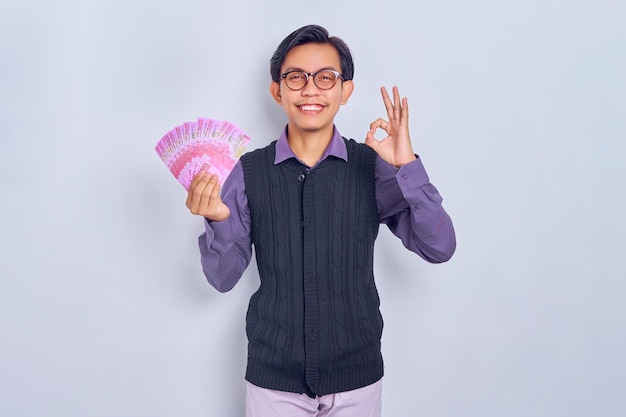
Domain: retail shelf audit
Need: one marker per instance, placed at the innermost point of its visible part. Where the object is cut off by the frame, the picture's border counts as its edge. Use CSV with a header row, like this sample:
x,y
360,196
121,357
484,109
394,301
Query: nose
x,y
310,89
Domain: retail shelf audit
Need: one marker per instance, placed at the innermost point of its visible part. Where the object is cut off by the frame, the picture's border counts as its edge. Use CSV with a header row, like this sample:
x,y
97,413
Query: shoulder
x,y
259,153
269,148
354,146
360,152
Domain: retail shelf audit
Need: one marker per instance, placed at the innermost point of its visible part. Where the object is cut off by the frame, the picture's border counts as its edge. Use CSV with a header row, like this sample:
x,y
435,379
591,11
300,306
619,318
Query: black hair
x,y
311,34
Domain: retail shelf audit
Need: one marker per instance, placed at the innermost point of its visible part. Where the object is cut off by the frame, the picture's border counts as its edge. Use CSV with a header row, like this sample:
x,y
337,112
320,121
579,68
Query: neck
x,y
309,146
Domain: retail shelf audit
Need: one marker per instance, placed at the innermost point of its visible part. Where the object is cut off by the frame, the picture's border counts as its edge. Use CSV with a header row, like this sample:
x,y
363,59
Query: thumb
x,y
371,141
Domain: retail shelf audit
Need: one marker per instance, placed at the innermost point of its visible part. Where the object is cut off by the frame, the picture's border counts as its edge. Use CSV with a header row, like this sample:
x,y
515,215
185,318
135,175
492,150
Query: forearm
x,y
225,246
425,228
413,211
223,256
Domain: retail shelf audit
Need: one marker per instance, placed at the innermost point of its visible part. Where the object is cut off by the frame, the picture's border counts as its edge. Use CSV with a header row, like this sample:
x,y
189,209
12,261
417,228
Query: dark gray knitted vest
x,y
314,325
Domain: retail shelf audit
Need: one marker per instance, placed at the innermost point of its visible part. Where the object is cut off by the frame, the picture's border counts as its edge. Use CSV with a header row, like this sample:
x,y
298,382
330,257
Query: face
x,y
311,109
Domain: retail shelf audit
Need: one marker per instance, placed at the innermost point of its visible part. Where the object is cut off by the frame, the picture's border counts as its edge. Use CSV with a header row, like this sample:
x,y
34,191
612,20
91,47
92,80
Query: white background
x,y
517,110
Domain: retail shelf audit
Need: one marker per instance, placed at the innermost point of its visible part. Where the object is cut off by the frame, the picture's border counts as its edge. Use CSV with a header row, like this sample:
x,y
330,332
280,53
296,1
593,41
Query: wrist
x,y
406,161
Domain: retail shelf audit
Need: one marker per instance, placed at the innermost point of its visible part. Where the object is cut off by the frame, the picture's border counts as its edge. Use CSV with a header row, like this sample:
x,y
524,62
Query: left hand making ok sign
x,y
396,148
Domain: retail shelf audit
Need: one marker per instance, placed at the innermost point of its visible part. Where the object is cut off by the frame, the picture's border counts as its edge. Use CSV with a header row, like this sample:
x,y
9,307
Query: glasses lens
x,y
295,80
325,79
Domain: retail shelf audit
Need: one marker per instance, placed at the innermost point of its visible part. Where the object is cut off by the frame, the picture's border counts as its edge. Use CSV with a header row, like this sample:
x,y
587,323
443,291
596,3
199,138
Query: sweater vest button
x,y
301,177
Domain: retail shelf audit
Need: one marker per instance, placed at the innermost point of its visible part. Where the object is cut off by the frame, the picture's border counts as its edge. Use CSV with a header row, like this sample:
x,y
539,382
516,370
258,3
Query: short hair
x,y
311,34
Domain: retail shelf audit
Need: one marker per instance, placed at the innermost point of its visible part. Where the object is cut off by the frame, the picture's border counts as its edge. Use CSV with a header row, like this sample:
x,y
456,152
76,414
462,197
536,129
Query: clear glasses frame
x,y
324,86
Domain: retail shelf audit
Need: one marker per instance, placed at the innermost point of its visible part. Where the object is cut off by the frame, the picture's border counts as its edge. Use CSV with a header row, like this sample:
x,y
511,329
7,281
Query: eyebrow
x,y
288,69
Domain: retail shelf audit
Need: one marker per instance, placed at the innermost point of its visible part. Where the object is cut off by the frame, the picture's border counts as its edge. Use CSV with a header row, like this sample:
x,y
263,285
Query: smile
x,y
311,107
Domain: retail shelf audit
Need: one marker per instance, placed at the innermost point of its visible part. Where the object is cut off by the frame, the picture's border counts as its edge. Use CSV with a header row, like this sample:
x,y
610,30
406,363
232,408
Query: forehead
x,y
311,57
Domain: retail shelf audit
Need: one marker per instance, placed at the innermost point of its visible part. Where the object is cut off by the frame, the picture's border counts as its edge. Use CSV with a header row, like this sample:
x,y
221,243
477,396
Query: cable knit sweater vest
x,y
314,325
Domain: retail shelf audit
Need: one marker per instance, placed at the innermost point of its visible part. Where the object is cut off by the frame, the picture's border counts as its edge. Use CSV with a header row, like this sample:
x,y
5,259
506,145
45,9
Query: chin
x,y
310,129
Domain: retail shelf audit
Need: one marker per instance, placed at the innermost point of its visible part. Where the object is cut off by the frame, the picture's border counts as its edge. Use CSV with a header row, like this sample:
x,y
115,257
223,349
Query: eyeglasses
x,y
323,79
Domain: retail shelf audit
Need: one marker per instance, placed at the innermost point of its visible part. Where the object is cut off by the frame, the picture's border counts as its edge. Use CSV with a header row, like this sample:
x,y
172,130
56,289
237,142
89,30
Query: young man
x,y
311,203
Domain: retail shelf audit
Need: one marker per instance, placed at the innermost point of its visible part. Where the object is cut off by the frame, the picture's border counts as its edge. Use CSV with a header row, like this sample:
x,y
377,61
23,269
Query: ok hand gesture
x,y
396,148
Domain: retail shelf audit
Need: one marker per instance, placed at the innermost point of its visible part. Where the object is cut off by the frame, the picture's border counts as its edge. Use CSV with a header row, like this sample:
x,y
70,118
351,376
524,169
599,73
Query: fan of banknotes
x,y
203,145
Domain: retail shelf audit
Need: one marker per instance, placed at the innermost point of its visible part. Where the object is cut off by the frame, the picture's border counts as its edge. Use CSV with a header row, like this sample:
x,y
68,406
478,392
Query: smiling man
x,y
311,204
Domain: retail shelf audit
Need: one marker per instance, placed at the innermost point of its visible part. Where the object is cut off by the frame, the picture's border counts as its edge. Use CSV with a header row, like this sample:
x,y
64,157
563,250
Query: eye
x,y
326,76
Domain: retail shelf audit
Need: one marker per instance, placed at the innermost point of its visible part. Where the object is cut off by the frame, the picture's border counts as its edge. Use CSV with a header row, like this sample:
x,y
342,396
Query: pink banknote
x,y
202,145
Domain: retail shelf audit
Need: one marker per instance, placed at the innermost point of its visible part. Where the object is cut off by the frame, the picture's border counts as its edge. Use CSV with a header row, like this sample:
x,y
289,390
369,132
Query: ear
x,y
347,87
275,92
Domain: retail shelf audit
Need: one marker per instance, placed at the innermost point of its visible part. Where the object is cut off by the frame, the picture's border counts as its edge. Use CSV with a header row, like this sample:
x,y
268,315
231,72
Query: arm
x,y
408,203
411,207
225,245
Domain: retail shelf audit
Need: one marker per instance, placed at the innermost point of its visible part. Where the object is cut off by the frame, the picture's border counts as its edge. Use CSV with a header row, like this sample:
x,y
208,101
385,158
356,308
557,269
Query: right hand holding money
x,y
204,199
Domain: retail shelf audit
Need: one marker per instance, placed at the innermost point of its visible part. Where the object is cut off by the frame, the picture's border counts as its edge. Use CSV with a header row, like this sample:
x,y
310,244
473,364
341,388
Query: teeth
x,y
310,107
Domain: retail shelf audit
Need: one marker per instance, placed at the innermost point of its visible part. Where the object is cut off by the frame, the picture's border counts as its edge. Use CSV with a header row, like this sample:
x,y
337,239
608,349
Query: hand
x,y
396,148
204,199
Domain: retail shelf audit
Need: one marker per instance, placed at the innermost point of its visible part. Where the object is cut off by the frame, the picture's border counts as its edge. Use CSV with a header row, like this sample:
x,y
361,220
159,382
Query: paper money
x,y
206,144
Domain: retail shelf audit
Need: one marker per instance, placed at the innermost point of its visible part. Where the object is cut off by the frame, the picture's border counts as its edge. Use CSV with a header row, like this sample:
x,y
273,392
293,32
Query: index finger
x,y
199,177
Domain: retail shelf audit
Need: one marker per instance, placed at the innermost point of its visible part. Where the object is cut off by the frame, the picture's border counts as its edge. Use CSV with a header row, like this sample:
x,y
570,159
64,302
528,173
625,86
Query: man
x,y
311,204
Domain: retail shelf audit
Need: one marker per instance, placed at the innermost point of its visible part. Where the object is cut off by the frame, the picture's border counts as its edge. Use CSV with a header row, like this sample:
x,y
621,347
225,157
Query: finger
x,y
215,194
199,177
387,101
192,187
211,193
371,141
405,112
379,123
203,187
397,107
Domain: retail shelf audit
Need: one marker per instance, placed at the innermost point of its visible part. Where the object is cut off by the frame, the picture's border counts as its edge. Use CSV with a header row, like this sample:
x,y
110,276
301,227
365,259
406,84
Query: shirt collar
x,y
336,148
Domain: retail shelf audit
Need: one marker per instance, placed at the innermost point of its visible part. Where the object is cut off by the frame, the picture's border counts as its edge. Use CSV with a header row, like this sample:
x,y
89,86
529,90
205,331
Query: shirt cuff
x,y
219,234
412,175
